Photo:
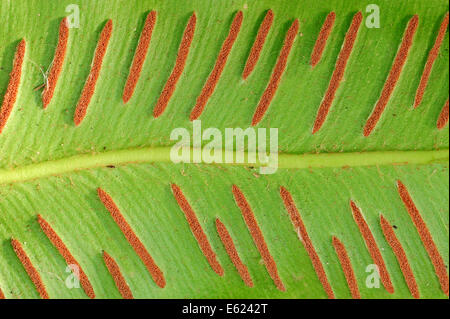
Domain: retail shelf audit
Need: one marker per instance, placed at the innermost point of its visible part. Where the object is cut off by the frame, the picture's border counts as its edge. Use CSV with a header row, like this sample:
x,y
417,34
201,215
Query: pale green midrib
x,y
162,154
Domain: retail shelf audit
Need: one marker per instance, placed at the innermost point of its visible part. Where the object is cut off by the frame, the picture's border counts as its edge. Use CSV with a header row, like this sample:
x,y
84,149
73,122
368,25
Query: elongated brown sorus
x,y
214,77
257,236
346,267
57,63
183,52
139,56
232,252
118,278
372,247
132,238
89,86
277,74
30,269
255,51
197,230
394,75
299,226
2,296
66,254
338,73
425,236
321,41
430,61
443,117
401,256
9,99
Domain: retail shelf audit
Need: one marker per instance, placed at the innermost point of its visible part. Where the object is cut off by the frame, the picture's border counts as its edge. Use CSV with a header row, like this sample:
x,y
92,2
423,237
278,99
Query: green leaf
x,y
52,168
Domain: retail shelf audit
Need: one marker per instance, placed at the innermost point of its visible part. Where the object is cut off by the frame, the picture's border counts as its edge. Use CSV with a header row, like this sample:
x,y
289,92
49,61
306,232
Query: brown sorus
x,y
299,226
322,38
443,117
396,246
258,237
346,267
372,247
57,63
338,73
31,271
197,229
132,238
232,252
430,61
10,97
180,62
89,86
139,56
214,77
255,51
393,76
425,236
118,278
65,253
277,73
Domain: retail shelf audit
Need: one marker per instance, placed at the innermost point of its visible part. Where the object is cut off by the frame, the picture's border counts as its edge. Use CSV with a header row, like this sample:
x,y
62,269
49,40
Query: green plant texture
x,y
52,168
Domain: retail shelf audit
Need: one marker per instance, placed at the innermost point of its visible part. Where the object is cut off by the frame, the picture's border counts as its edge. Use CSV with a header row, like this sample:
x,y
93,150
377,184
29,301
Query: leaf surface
x,y
51,167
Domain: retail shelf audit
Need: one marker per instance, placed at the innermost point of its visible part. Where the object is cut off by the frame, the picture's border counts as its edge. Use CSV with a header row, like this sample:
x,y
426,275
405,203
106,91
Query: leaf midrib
x,y
162,154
